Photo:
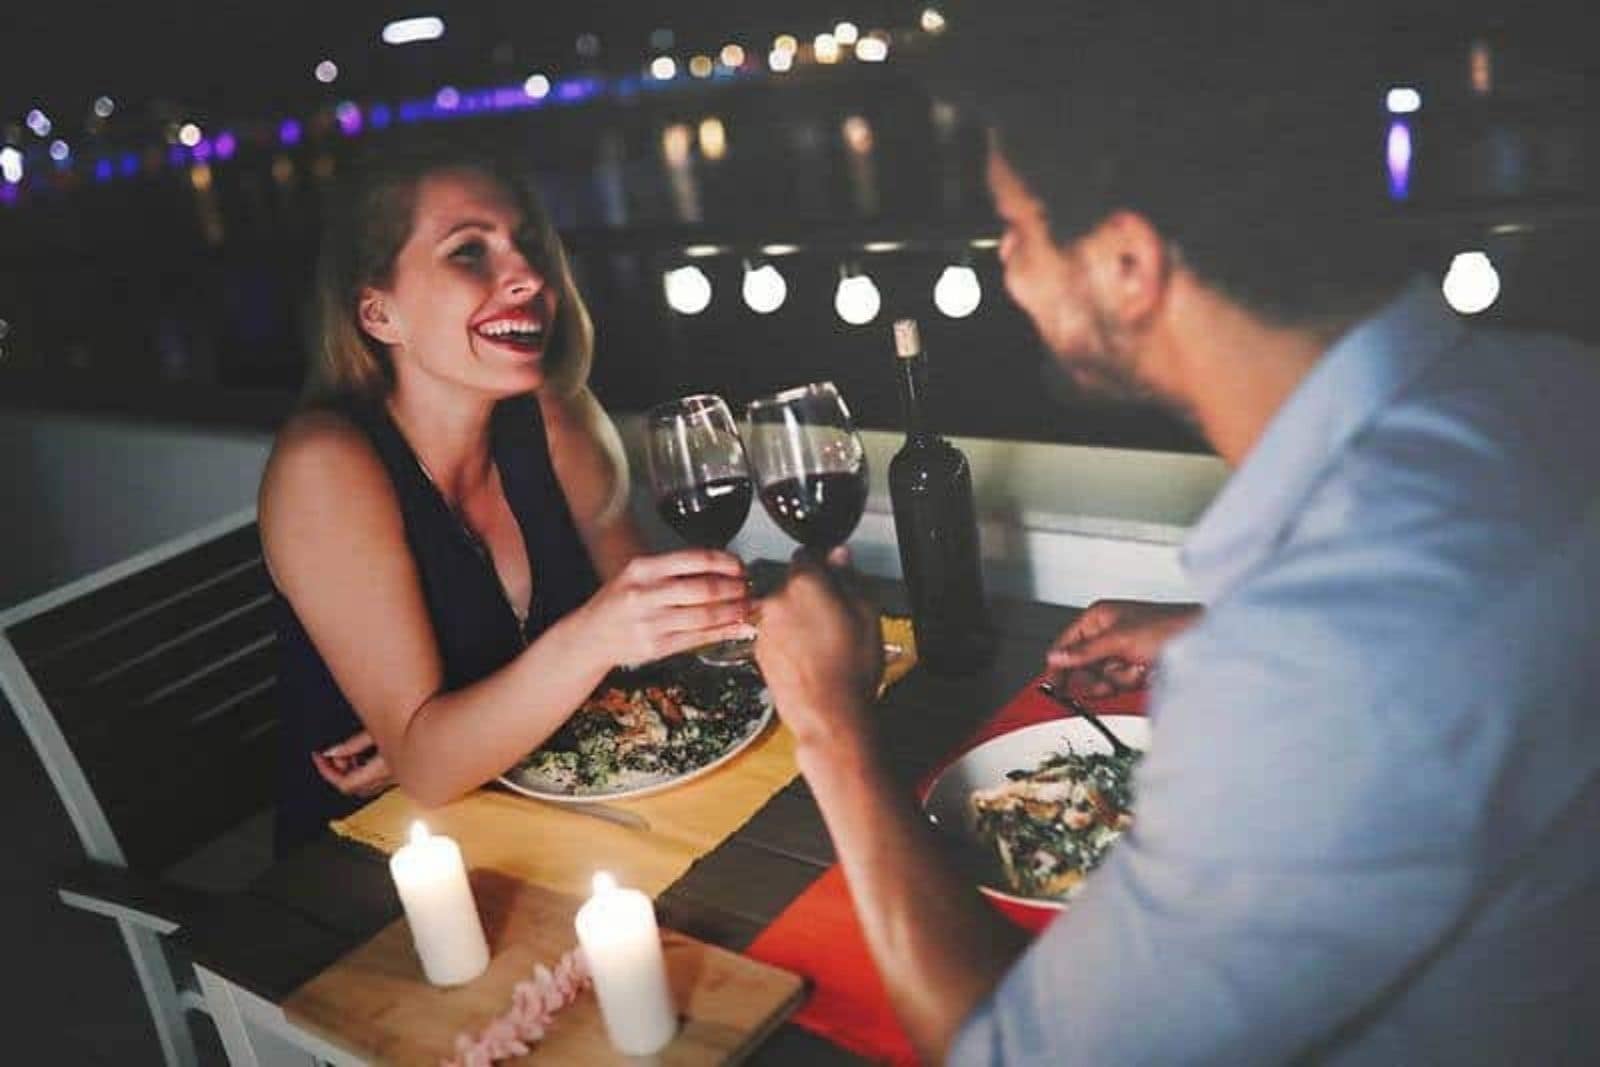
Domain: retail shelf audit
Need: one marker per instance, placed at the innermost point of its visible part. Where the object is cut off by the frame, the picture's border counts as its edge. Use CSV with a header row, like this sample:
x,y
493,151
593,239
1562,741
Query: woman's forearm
x,y
460,739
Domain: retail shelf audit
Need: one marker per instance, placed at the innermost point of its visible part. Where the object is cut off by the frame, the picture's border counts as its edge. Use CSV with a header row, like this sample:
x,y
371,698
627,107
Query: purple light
x,y
103,170
378,116
289,132
575,89
414,110
227,144
1398,156
203,150
176,156
510,97
8,193
349,116
130,164
447,99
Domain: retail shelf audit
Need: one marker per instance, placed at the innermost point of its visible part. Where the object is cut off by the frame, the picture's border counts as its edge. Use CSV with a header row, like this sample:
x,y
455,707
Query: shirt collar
x,y
1355,378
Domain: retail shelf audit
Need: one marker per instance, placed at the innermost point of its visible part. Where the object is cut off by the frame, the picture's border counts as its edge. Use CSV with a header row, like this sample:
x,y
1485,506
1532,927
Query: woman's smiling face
x,y
468,302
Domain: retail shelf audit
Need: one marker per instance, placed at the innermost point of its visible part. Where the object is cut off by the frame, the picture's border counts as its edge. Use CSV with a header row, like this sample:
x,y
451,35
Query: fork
x,y
1060,695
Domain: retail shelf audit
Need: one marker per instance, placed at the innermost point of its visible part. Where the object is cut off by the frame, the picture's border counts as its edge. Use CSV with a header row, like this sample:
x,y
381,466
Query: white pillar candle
x,y
432,880
617,929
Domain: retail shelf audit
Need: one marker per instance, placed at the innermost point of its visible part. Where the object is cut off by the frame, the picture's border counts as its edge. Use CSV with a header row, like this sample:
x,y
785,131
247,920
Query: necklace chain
x,y
476,542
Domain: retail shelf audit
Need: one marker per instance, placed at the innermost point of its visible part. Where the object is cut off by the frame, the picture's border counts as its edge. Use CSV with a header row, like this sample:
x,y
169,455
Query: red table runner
x,y
818,937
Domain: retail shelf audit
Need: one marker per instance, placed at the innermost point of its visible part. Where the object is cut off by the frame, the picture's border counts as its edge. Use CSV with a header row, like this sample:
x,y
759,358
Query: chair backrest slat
x,y
163,685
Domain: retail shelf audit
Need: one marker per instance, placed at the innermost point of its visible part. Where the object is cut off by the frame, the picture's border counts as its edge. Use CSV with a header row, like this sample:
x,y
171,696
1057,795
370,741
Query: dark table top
x,y
310,909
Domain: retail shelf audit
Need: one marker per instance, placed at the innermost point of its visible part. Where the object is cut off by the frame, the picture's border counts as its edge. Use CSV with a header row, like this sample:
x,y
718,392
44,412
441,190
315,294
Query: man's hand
x,y
354,766
819,648
1118,642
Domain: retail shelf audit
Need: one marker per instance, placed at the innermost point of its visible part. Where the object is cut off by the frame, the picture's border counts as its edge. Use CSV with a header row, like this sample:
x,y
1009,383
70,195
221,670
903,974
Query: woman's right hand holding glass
x,y
660,605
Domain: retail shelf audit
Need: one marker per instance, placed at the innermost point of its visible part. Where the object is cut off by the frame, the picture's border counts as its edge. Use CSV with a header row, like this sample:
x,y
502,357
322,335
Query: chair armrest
x,y
121,894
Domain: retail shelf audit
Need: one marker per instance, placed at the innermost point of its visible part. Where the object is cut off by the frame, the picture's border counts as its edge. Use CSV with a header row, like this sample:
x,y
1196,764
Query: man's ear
x,y
372,312
1134,265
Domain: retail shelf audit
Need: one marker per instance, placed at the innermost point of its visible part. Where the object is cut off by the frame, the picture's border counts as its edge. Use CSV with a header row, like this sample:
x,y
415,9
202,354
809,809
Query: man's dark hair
x,y
1250,135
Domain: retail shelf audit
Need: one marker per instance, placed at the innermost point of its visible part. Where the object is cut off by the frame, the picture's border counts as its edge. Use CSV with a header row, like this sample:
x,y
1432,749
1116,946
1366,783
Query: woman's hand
x,y
354,766
669,603
1118,642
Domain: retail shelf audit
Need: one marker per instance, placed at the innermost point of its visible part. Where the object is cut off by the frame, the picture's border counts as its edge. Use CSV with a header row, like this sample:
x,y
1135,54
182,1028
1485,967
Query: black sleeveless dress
x,y
475,626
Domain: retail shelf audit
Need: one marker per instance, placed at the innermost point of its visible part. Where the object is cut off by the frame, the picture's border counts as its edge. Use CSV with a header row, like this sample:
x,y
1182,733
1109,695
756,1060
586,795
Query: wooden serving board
x,y
375,1003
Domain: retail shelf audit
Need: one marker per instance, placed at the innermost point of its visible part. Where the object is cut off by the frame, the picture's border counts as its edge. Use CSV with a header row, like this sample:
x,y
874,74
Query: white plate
x,y
948,803
532,783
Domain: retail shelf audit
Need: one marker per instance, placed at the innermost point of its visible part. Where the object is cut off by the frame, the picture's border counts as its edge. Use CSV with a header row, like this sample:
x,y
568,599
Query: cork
x,y
907,343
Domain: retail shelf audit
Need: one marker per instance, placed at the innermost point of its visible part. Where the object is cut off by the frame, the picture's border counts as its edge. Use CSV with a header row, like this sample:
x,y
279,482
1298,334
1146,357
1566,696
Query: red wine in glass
x,y
707,515
809,462
702,484
820,510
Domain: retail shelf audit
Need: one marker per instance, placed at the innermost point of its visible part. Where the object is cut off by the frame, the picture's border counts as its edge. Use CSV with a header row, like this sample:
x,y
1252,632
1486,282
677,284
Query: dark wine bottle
x,y
930,485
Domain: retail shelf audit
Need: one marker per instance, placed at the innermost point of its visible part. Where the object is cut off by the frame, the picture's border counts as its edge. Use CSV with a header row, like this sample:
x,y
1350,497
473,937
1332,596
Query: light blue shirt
x,y
1367,828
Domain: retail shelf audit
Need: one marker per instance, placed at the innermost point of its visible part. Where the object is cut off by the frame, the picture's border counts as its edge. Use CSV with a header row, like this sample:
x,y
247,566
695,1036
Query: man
x,y
1362,829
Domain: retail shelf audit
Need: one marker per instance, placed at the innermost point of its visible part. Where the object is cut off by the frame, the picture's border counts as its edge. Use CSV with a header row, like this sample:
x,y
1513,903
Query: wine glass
x,y
809,462
702,484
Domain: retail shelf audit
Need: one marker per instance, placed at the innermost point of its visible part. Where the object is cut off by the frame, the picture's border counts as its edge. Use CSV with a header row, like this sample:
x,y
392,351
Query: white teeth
x,y
509,329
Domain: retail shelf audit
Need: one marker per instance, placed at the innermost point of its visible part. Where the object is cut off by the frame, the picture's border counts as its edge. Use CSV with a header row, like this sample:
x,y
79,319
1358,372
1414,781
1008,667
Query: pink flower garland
x,y
535,1002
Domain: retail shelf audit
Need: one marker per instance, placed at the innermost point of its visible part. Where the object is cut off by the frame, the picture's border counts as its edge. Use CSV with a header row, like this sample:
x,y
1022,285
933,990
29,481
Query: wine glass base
x,y
728,654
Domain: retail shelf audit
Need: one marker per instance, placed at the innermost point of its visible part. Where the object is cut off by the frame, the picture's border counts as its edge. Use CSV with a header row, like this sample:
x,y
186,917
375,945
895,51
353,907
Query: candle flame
x,y
604,883
419,832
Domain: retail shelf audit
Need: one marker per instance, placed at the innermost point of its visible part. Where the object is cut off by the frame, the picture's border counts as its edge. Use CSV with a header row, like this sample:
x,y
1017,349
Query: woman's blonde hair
x,y
371,221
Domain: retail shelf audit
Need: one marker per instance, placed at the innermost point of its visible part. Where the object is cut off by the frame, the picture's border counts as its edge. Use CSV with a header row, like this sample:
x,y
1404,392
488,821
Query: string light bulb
x,y
1471,284
957,292
857,299
688,289
764,288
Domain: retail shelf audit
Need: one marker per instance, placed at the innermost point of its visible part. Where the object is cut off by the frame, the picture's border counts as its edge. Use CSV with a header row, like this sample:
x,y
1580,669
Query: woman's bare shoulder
x,y
322,461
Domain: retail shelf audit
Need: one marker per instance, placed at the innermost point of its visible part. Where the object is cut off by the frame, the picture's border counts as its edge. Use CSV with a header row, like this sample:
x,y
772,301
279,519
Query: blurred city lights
x,y
189,135
846,33
957,292
408,31
348,115
1471,284
447,99
1403,100
713,138
779,250
104,106
675,142
588,45
326,72
780,60
732,56
1397,156
1480,68
537,87
701,66
688,289
39,123
785,42
60,151
11,168
764,288
872,49
826,48
857,299
227,144
932,20
663,68
289,132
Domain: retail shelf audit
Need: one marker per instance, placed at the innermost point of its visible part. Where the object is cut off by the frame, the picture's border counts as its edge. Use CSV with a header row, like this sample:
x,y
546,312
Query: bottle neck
x,y
913,390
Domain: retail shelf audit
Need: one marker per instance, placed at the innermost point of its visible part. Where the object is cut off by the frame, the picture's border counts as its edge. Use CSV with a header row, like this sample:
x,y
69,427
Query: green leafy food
x,y
1051,825
648,726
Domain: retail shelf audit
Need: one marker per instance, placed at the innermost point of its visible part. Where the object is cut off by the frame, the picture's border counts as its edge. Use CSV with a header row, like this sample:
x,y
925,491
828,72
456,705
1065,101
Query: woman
x,y
446,522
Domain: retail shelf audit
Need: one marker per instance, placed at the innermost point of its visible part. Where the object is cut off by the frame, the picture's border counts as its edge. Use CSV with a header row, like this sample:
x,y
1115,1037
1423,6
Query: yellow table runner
x,y
559,849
